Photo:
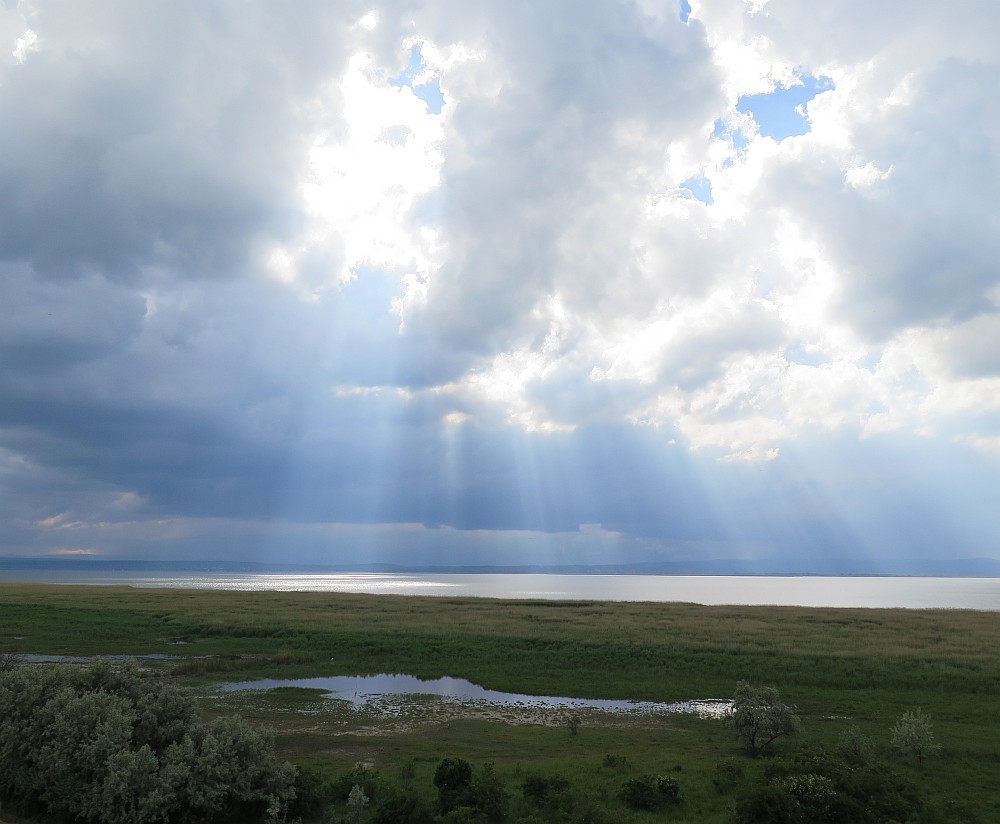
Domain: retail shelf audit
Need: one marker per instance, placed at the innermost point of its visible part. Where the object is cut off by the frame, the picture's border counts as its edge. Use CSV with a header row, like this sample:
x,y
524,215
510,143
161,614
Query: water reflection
x,y
364,690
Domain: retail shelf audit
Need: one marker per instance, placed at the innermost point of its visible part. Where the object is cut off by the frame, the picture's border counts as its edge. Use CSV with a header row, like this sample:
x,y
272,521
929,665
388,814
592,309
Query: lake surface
x,y
813,591
387,691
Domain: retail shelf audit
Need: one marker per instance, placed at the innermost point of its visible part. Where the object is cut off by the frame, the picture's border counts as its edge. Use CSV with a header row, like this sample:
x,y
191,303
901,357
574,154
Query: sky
x,y
433,282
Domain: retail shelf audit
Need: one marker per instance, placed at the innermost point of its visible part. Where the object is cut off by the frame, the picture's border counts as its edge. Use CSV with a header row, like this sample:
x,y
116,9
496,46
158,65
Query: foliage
x,y
728,775
759,718
538,788
912,735
370,781
647,793
313,792
463,815
488,794
483,794
356,802
668,788
855,745
402,807
452,777
105,745
818,786
614,762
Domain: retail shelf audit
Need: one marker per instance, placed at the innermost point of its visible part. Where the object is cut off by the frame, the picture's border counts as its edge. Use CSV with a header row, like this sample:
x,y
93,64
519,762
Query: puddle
x,y
378,691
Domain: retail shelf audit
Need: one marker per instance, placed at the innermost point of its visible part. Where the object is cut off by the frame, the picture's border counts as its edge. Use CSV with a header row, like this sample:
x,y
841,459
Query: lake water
x,y
813,591
388,691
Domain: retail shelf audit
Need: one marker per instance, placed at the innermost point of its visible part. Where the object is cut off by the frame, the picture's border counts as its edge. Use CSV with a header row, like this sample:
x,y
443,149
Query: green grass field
x,y
839,667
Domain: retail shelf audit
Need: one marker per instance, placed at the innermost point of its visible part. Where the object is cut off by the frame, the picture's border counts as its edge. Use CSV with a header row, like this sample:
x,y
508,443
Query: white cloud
x,y
26,44
237,254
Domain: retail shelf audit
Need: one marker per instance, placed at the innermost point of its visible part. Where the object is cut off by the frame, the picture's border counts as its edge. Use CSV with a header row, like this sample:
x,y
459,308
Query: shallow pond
x,y
367,690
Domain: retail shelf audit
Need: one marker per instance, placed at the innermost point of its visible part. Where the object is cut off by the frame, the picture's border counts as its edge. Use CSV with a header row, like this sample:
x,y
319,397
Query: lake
x,y
810,591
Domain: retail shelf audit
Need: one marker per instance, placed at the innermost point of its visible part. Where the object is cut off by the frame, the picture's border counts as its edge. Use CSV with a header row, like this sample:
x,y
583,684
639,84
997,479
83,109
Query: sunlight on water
x,y
806,591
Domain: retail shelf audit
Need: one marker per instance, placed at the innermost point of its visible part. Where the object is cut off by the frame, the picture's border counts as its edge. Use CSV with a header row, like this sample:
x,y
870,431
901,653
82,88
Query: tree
x,y
759,718
452,777
912,735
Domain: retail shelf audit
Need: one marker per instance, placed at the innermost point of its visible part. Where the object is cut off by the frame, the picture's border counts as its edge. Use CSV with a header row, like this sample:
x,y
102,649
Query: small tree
x,y
912,735
452,777
356,802
759,718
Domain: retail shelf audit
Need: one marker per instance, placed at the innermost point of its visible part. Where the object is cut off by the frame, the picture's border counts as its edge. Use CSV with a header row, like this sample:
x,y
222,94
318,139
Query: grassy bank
x,y
840,667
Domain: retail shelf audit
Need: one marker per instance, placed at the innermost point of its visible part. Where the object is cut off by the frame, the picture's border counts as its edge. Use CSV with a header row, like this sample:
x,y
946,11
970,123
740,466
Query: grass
x,y
839,666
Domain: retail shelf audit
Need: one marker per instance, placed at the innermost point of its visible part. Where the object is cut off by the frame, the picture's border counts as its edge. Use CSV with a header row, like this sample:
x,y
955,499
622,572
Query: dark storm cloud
x,y
158,136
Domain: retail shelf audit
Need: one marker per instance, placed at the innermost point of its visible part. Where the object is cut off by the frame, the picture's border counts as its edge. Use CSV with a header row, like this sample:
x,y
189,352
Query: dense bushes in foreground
x,y
105,745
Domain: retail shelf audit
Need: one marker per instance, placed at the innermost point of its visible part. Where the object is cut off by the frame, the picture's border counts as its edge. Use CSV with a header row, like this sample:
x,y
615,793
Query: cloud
x,y
158,138
255,290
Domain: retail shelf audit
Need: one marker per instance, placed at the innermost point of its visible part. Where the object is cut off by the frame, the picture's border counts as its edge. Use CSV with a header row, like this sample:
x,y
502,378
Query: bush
x,y
759,718
538,788
648,793
728,775
821,787
369,780
488,795
402,807
855,745
614,762
668,788
452,777
313,793
106,745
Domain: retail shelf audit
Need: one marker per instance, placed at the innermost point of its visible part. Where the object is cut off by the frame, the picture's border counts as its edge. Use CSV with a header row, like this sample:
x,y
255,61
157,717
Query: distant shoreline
x,y
964,568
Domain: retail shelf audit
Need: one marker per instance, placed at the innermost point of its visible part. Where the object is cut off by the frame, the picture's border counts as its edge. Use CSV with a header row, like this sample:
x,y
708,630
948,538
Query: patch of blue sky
x,y
700,188
429,92
781,113
685,11
798,352
430,210
724,131
872,360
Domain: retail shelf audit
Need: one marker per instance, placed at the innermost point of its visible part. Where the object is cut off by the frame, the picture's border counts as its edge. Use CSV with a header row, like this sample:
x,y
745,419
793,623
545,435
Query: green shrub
x,y
402,807
452,777
728,775
855,745
106,745
370,781
614,762
537,787
668,788
640,794
313,793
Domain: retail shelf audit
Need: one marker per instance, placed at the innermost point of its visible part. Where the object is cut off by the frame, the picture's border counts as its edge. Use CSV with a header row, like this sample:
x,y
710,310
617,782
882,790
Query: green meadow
x,y
840,669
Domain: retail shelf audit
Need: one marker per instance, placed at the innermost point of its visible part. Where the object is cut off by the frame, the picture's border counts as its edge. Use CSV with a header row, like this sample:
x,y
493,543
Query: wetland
x,y
841,669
